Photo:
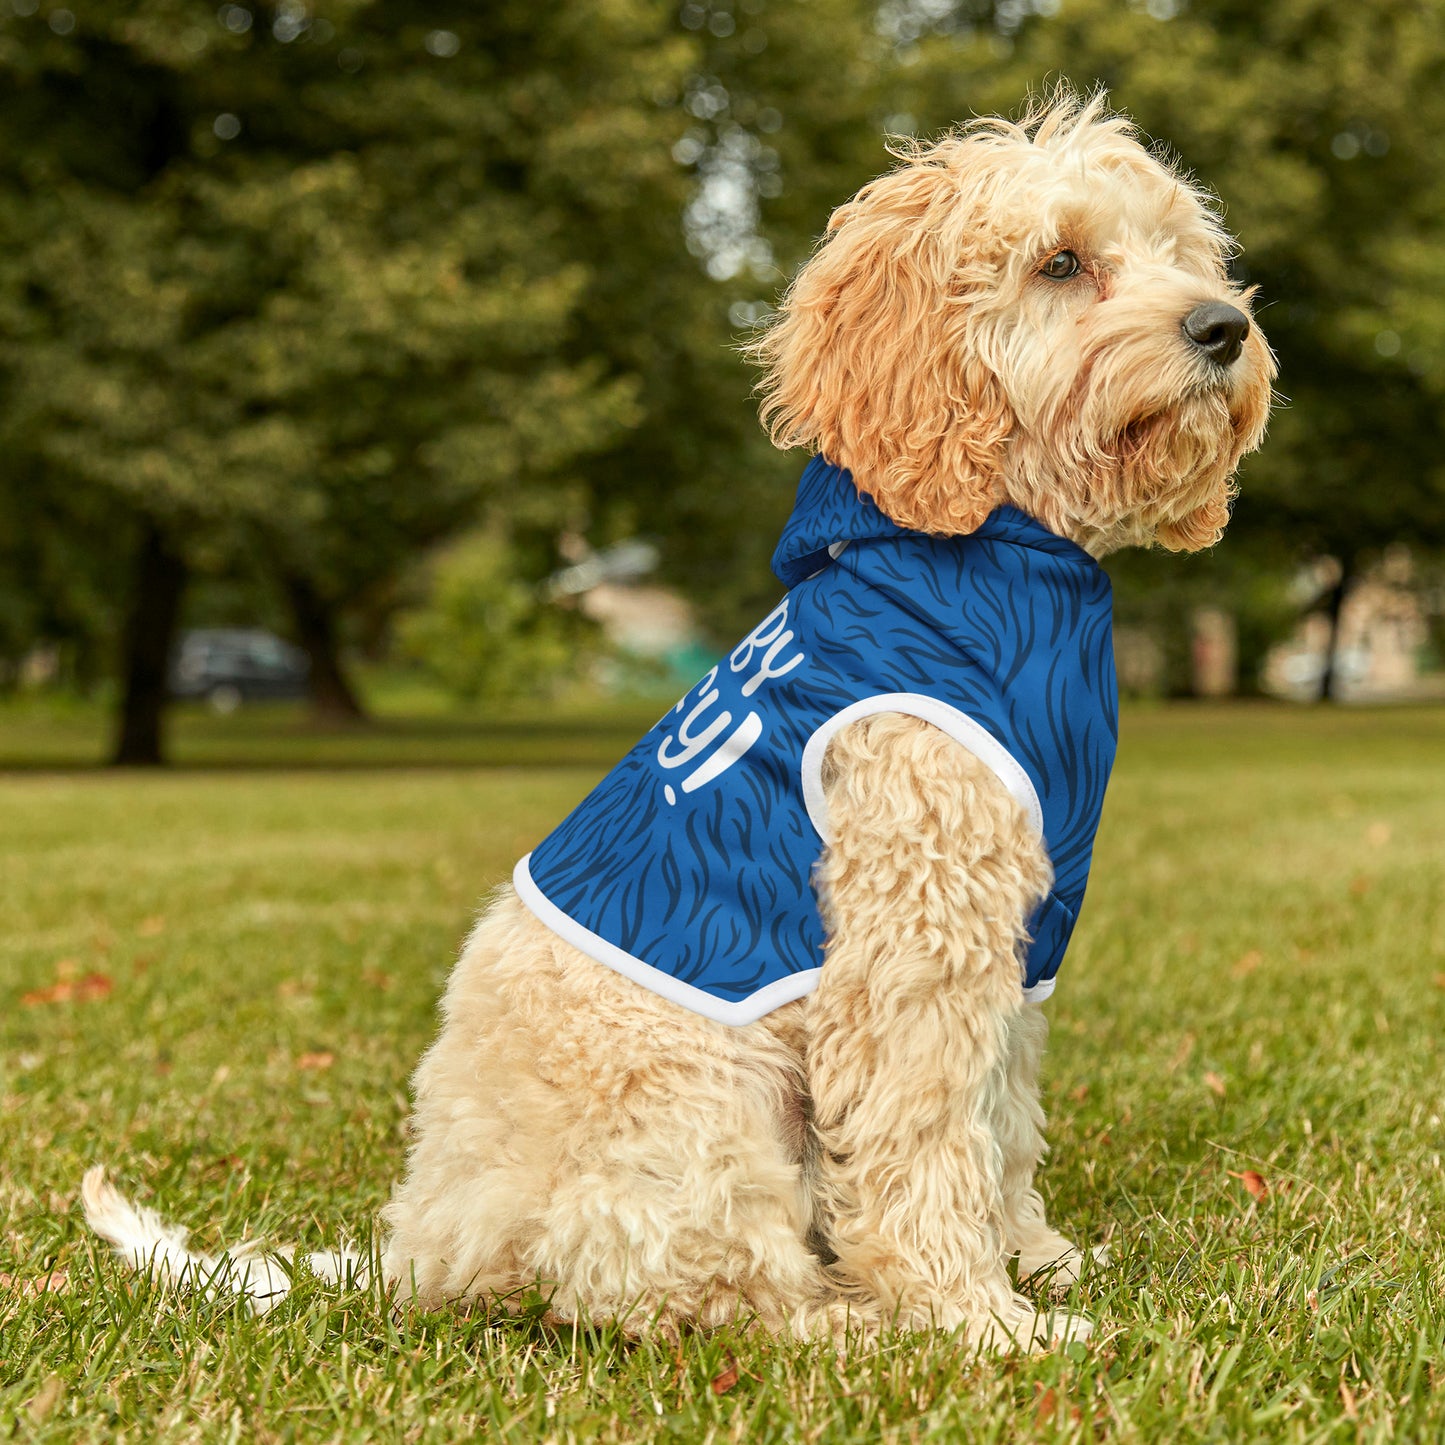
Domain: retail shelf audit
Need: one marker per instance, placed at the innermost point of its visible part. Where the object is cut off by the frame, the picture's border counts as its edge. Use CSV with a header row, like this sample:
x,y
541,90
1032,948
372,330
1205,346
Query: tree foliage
x,y
324,284
310,284
479,631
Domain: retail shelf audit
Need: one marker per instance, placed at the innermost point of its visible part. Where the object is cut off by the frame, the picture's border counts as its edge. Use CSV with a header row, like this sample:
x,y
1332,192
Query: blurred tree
x,y
480,633
780,114
304,280
58,573
326,283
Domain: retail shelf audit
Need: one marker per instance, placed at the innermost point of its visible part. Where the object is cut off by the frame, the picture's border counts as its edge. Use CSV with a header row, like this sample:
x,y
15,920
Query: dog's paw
x,y
1057,1328
1023,1326
1058,1268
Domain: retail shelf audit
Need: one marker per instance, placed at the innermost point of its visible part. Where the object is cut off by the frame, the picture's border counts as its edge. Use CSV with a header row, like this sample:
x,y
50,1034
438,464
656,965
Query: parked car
x,y
227,666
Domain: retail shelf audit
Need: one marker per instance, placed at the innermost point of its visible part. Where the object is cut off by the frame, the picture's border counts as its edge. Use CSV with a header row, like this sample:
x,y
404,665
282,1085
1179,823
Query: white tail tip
x,y
148,1244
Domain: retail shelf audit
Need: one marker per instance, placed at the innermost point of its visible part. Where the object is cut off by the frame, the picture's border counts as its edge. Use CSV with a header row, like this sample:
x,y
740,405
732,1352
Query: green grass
x,y
409,729
1256,985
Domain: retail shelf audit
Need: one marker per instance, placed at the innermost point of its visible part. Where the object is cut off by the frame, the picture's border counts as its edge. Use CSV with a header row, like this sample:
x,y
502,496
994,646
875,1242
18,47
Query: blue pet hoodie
x,y
689,867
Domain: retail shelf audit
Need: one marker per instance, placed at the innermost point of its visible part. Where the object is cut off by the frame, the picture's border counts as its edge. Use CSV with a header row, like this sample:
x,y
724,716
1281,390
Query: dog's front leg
x,y
1043,1253
925,888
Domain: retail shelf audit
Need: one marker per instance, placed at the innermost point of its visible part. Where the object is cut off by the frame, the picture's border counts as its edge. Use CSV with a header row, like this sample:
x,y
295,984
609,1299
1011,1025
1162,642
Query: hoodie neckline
x,y
831,512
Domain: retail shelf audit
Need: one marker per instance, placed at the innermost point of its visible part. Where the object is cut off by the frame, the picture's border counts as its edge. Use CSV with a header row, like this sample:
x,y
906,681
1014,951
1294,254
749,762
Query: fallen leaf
x,y
56,993
1254,1182
321,1059
1046,1408
724,1382
1214,1083
82,990
151,927
1247,964
56,1282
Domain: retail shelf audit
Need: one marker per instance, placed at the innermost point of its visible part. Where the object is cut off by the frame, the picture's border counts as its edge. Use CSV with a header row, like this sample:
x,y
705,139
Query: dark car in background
x,y
227,666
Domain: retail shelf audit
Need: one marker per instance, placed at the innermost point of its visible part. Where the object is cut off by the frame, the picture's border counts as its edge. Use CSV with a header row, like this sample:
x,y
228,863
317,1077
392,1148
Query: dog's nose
x,y
1217,330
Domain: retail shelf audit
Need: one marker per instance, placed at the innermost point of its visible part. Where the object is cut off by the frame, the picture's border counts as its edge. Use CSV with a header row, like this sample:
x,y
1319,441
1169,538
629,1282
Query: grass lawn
x,y
216,980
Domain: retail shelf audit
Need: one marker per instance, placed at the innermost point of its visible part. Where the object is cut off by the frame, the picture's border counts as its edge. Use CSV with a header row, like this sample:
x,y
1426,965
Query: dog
x,y
755,1035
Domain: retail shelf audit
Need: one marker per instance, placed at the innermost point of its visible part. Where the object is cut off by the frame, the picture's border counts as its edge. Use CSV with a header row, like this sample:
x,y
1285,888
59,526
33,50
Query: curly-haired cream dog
x,y
672,1085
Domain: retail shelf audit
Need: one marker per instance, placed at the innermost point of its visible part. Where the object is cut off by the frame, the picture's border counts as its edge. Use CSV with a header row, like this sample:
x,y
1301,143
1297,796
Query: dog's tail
x,y
147,1243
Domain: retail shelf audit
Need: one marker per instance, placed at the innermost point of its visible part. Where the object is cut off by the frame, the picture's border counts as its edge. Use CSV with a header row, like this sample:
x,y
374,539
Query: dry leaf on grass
x,y
321,1059
56,1282
722,1383
1046,1407
1254,1182
1214,1083
67,990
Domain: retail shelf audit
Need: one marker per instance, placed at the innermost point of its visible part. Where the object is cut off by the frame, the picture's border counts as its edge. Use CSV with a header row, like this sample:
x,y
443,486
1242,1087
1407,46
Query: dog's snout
x,y
1218,330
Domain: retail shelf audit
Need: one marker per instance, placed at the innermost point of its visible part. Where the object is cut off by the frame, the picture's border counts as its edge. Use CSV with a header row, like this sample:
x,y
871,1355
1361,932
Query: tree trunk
x,y
150,630
1329,675
333,699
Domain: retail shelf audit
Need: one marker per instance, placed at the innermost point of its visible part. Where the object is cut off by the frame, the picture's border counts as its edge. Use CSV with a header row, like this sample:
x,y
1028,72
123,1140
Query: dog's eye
x,y
1060,266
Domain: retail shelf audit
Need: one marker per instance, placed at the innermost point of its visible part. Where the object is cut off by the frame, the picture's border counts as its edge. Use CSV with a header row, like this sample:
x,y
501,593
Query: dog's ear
x,y
873,358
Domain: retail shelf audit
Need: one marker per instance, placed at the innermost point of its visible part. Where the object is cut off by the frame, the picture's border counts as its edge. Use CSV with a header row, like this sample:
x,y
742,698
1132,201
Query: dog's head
x,y
1036,313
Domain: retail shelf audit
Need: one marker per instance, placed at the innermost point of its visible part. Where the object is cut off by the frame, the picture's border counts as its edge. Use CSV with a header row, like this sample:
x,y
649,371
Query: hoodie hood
x,y
830,512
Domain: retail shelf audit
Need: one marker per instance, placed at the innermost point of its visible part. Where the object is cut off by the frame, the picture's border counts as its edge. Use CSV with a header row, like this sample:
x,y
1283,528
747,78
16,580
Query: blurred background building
x,y
402,334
